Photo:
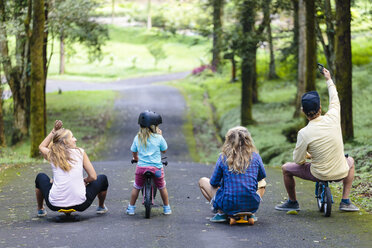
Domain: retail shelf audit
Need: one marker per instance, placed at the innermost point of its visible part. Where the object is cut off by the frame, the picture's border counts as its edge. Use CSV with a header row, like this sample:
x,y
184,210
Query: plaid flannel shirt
x,y
237,192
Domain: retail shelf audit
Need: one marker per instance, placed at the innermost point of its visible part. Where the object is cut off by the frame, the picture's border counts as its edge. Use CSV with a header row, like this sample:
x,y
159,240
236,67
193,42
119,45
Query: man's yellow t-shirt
x,y
322,138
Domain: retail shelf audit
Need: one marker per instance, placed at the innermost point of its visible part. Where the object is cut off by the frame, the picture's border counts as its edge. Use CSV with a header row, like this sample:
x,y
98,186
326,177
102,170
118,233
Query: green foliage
x,y
200,132
86,113
291,131
157,51
170,16
183,53
72,20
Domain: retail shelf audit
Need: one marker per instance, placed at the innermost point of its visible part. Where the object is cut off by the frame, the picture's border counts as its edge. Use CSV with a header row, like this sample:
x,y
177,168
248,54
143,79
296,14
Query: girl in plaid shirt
x,y
237,183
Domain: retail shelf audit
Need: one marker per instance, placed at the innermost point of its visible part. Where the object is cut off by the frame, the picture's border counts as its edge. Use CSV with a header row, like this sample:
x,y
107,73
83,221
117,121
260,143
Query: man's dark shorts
x,y
303,171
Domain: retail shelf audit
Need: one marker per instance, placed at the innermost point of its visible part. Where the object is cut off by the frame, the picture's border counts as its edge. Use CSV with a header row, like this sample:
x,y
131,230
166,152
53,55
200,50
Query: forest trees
x,y
15,20
71,25
21,64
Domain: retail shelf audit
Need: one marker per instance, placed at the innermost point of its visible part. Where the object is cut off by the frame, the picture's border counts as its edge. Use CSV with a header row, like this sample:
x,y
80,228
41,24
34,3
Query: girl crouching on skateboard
x,y
147,148
237,183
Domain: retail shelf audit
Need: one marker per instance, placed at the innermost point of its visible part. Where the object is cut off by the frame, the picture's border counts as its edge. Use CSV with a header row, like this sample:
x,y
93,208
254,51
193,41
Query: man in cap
x,y
320,141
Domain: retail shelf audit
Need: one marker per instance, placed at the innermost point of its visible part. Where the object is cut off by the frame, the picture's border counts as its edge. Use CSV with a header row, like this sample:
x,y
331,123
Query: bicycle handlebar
x,y
165,163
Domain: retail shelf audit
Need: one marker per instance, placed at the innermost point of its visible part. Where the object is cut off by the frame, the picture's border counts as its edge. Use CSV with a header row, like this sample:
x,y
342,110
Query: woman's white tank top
x,y
68,187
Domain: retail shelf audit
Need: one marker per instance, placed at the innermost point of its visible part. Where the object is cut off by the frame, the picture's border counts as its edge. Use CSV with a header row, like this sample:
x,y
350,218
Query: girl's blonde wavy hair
x,y
238,149
59,153
144,133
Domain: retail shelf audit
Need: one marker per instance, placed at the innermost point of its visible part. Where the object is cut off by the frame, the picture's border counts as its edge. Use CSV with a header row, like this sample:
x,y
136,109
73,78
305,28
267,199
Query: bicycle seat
x,y
148,174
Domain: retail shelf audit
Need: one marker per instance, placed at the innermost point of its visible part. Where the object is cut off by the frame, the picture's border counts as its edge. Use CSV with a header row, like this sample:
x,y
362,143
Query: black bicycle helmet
x,y
148,118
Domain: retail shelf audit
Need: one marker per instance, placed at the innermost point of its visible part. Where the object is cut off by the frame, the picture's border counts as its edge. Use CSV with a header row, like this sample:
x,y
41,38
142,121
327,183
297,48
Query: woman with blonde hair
x,y
68,189
237,183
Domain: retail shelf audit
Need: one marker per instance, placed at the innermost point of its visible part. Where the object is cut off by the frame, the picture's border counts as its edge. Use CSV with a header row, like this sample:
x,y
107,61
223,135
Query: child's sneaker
x,y
41,213
219,218
101,210
167,210
131,210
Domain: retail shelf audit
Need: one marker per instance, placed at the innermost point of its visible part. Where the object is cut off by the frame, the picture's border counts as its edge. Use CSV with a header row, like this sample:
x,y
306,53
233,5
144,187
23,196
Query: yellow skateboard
x,y
67,215
242,218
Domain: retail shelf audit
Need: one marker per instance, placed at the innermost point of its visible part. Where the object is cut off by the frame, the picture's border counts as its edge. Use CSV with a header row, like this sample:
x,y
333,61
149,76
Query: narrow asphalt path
x,y
189,224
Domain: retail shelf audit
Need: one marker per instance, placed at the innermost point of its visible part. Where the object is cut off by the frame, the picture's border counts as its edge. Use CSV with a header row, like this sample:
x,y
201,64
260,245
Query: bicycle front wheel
x,y
319,197
327,202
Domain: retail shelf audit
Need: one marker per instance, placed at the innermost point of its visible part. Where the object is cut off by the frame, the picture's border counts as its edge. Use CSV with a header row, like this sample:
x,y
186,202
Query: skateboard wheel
x,y
250,221
232,221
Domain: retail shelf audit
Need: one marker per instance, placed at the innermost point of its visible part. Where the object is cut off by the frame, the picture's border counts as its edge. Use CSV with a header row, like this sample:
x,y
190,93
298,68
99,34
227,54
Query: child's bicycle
x,y
324,197
149,189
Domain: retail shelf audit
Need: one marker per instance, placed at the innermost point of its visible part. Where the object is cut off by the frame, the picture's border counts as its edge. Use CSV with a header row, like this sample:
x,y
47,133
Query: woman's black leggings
x,y
42,182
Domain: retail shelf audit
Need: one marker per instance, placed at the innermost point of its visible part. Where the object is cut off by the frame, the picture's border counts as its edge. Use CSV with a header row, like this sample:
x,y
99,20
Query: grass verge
x,y
86,113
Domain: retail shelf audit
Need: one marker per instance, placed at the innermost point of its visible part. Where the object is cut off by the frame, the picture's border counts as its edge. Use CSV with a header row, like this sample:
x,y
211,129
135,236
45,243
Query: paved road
x,y
188,226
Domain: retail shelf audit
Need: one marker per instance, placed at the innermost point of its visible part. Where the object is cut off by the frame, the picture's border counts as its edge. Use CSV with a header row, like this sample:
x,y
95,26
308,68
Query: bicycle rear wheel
x,y
148,201
327,202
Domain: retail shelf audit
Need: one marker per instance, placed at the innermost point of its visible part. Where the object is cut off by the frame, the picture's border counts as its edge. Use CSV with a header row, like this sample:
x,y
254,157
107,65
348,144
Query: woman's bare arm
x,y
88,167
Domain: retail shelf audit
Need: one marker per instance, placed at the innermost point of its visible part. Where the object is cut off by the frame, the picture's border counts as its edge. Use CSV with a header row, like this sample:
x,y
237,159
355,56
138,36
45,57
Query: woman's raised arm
x,y
43,147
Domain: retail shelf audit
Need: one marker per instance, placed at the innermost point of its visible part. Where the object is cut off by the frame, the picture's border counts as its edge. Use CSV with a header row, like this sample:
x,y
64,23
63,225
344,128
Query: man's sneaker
x,y
219,218
41,213
131,210
101,210
167,210
288,206
348,207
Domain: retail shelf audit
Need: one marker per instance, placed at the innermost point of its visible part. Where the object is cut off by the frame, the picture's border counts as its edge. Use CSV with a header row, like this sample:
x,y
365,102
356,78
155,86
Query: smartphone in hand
x,y
320,68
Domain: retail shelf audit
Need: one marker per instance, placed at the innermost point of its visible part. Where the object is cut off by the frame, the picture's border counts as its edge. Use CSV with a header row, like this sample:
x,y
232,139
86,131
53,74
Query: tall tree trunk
x,y
37,78
247,89
247,20
329,49
112,11
217,32
233,68
254,76
301,56
310,66
149,23
45,57
61,54
272,72
343,66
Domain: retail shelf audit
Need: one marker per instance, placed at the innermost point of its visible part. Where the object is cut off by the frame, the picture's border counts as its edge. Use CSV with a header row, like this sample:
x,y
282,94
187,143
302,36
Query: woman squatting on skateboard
x,y
68,189
238,180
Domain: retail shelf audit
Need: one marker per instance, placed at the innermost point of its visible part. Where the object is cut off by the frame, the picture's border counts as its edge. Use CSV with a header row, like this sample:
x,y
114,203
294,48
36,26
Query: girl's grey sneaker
x,y
41,213
219,218
348,207
288,206
101,210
